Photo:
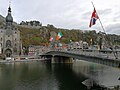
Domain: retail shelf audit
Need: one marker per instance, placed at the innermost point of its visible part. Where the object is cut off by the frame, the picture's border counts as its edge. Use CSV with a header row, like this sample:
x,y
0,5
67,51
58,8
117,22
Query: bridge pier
x,y
52,59
58,59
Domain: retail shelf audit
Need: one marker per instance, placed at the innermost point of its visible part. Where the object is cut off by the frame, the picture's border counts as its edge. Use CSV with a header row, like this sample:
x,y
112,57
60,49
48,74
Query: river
x,y
42,76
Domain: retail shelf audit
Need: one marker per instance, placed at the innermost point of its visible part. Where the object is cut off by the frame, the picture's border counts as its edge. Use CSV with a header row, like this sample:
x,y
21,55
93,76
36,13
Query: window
x,y
8,43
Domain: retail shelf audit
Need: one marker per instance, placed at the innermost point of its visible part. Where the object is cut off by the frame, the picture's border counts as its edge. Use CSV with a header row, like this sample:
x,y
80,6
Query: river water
x,y
41,76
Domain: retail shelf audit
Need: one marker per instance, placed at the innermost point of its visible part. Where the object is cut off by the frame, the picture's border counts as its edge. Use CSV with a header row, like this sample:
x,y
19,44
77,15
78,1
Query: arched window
x,y
8,43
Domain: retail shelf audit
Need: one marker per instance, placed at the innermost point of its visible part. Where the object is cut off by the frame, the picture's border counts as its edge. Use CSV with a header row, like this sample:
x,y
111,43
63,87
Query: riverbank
x,y
23,60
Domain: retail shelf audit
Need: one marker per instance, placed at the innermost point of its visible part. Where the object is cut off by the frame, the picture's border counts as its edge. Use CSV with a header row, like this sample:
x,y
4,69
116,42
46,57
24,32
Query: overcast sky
x,y
69,14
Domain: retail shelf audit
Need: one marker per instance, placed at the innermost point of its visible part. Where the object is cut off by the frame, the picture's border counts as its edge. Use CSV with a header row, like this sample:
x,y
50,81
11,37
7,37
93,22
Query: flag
x,y
51,39
59,36
94,17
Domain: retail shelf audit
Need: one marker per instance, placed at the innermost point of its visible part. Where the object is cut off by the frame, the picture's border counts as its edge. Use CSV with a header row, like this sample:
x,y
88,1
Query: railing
x,y
98,53
90,52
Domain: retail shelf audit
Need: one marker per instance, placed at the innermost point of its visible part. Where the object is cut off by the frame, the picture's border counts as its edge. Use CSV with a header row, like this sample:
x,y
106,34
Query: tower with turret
x,y
10,37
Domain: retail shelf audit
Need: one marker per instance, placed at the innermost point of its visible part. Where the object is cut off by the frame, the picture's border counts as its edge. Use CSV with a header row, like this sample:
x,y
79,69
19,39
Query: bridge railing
x,y
97,53
91,52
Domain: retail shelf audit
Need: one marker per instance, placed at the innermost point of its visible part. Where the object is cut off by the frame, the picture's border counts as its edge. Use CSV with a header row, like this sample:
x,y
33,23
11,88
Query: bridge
x,y
96,56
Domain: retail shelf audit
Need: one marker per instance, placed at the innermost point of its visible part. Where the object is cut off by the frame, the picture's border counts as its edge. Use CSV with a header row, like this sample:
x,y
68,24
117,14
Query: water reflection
x,y
103,75
40,76
37,76
26,76
67,78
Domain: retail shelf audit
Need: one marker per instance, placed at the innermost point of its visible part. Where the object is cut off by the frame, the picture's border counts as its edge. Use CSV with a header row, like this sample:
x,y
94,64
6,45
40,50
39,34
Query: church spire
x,y
9,18
9,9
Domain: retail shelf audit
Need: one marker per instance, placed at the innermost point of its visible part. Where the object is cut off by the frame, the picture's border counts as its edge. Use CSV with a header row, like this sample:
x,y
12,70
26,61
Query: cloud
x,y
105,12
113,28
66,13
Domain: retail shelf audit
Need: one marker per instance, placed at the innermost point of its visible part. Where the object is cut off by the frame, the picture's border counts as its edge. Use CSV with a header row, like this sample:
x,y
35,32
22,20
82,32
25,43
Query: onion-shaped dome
x,y
9,18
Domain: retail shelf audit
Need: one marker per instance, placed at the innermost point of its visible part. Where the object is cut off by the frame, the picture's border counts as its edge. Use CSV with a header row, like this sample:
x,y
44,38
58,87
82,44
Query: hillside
x,y
40,35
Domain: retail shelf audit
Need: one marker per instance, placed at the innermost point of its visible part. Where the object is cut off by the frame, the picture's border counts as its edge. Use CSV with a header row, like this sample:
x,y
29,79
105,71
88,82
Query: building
x,y
10,37
31,24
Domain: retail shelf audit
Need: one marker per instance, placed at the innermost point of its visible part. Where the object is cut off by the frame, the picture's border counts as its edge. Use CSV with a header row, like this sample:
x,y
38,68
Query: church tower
x,y
9,19
10,37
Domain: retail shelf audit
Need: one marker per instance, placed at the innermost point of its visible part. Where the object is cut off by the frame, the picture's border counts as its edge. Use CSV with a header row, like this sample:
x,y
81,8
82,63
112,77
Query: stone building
x,y
10,37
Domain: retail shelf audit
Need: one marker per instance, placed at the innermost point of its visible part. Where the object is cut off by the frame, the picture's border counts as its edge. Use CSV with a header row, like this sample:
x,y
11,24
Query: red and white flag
x,y
94,17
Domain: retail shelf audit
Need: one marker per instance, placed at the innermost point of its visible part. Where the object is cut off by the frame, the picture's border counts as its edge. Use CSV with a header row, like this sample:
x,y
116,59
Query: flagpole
x,y
99,18
115,54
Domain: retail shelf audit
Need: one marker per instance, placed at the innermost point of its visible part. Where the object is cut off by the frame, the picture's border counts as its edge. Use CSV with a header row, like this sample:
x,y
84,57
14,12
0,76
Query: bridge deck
x,y
106,58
